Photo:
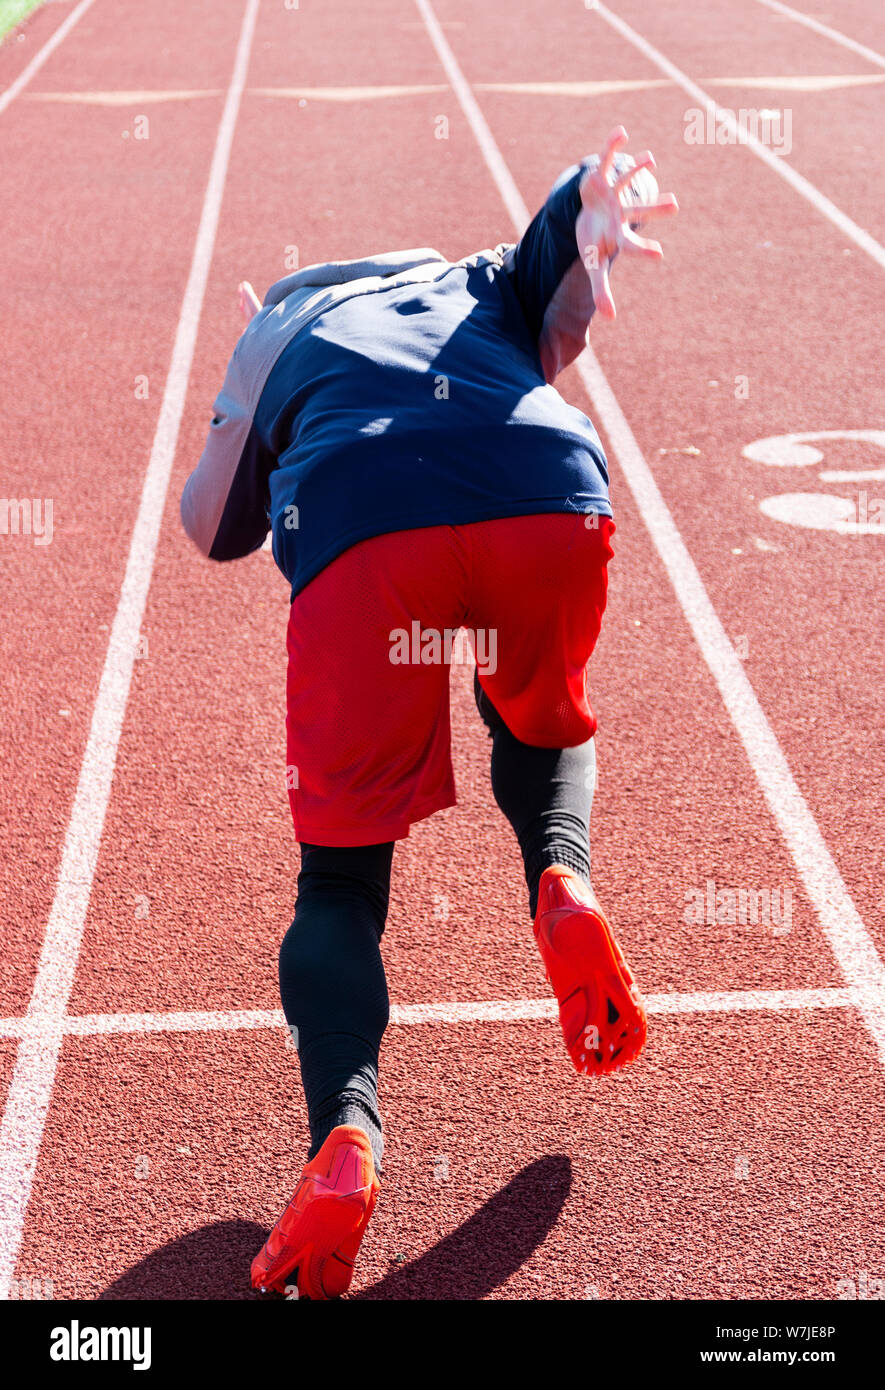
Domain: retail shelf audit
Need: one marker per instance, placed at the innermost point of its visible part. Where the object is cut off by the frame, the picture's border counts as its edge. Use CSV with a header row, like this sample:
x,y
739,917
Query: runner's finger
x,y
662,208
634,245
616,139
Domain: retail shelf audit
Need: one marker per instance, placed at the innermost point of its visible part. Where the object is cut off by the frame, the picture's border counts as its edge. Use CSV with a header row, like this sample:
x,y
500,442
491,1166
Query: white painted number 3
x,y
860,514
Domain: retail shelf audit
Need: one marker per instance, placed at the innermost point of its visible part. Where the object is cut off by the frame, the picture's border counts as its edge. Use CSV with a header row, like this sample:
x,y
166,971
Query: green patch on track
x,y
12,12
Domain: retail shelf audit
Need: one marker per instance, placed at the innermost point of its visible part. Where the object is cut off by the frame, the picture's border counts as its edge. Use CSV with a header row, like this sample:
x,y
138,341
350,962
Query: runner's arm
x,y
559,267
224,503
549,280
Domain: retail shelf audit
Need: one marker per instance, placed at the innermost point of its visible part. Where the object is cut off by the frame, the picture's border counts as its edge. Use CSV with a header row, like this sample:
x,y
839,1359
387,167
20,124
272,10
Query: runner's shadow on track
x,y
207,1264
493,1244
475,1259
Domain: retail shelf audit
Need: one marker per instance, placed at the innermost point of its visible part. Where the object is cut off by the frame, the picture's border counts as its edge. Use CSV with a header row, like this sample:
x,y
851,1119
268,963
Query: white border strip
x,y
483,1011
778,163
31,1087
789,13
40,57
851,944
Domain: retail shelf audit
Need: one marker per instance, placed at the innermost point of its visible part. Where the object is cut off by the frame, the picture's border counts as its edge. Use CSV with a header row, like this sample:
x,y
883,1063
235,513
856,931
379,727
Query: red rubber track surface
x,y
742,1155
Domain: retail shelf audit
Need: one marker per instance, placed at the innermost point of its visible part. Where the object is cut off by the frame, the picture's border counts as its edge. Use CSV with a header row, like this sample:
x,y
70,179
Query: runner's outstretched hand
x,y
603,224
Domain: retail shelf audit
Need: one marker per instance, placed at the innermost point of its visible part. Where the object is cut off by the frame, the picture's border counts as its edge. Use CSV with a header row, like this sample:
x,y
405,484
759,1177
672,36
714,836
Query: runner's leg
x,y
333,988
546,794
538,592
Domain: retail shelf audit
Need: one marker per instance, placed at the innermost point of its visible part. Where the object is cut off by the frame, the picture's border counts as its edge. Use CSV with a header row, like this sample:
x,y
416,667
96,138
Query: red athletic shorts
x,y
371,640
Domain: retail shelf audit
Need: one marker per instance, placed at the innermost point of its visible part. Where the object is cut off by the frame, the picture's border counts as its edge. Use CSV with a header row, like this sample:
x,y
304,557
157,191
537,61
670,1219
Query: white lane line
x,y
805,83
789,13
347,93
31,1087
45,52
211,1021
151,98
849,940
125,98
482,1011
572,89
693,1002
741,134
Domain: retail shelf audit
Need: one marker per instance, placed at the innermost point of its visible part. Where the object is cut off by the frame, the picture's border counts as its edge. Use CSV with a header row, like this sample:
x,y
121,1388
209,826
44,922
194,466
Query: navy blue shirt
x,y
413,403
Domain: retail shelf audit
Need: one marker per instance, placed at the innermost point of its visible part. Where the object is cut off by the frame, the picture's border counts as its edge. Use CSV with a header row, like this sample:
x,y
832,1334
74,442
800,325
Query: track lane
x,y
430,1099
704,1173
88,326
38,1053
